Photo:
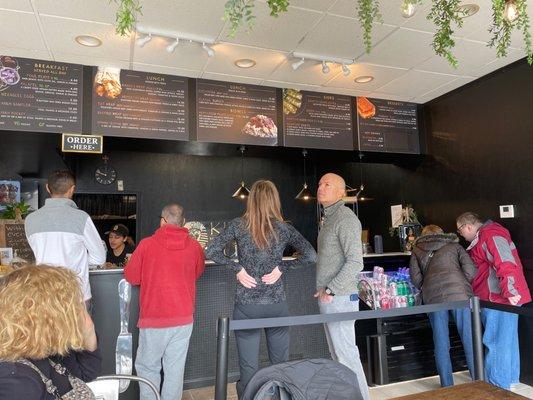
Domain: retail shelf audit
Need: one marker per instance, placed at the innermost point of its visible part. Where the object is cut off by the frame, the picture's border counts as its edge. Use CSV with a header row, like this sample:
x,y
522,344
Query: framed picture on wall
x,y
9,193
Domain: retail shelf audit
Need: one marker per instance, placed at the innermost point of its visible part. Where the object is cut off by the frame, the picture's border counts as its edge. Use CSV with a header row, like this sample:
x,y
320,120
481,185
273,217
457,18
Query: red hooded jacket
x,y
500,273
166,265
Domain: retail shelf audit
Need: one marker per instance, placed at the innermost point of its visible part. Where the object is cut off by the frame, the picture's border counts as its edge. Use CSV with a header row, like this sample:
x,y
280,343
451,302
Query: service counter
x,y
215,292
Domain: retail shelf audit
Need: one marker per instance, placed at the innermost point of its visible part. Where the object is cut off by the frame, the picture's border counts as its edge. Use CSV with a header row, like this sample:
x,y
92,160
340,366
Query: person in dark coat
x,y
443,271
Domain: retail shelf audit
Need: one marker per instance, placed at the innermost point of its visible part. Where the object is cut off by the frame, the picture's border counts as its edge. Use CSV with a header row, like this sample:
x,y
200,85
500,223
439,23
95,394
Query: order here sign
x,y
76,143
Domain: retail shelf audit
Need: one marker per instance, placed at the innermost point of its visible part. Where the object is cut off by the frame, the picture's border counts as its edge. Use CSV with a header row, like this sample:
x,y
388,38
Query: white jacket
x,y
62,235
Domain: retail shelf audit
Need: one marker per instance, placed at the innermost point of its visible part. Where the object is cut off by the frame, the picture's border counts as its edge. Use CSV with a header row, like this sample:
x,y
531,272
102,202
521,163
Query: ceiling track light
x,y
297,64
325,67
345,70
172,46
208,49
142,41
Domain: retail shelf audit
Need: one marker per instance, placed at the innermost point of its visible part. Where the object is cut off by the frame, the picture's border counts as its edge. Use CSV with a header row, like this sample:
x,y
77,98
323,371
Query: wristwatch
x,y
329,292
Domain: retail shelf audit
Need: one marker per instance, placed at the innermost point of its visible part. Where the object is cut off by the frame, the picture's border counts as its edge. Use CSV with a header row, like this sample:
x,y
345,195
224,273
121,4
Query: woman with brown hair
x,y
261,236
48,346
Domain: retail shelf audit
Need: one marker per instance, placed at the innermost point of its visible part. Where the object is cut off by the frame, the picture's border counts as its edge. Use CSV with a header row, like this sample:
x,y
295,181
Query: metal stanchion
x,y
477,339
221,379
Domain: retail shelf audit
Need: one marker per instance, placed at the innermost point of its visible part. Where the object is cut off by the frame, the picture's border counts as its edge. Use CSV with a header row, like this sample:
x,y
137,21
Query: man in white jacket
x,y
62,235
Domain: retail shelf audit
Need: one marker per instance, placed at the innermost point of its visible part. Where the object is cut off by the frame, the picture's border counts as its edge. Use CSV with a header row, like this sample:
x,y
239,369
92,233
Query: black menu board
x,y
317,120
139,104
236,113
40,96
387,126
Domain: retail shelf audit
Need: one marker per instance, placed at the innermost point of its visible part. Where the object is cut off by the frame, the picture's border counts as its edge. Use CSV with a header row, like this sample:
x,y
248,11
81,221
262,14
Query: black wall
x,y
201,177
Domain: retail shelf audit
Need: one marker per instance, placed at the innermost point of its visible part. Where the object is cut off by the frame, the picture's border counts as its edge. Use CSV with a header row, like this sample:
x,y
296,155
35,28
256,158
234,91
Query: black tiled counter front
x,y
215,291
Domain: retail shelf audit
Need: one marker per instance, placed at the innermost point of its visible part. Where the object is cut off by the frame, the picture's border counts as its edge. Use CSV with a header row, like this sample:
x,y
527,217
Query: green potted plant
x,y
16,211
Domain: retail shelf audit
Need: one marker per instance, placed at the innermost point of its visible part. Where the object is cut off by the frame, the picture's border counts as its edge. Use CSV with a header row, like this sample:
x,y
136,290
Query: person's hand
x,y
323,297
515,299
110,265
273,277
90,342
246,280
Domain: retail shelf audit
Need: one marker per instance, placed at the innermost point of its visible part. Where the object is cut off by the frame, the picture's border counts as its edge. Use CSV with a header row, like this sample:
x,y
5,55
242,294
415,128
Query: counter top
x,y
211,263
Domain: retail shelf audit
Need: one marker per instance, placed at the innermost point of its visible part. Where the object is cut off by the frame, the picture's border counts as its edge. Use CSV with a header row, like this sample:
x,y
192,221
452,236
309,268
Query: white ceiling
x,y
402,60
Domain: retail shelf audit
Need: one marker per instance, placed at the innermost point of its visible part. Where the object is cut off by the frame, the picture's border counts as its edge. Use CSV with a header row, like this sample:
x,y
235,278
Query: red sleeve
x,y
133,269
505,264
200,263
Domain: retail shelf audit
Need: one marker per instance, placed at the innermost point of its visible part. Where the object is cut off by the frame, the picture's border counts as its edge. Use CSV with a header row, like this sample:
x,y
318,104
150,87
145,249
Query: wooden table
x,y
477,390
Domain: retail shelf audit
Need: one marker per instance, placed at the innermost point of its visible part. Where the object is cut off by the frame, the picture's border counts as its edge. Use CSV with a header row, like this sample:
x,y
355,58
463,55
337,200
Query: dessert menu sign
x,y
139,104
40,96
236,113
317,120
387,126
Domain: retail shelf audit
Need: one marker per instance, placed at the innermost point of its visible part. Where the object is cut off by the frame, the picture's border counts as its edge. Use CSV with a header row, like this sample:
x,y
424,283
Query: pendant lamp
x,y
242,191
304,194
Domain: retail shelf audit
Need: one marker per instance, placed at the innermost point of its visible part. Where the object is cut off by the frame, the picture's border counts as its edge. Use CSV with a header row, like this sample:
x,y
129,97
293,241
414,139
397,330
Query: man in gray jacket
x,y
340,258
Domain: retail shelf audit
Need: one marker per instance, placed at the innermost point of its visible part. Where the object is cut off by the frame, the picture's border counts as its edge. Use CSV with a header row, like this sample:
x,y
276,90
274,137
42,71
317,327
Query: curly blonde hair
x,y
42,313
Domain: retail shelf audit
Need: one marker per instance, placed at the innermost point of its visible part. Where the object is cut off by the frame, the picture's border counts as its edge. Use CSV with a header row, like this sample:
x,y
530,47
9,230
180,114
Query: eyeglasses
x,y
164,219
460,228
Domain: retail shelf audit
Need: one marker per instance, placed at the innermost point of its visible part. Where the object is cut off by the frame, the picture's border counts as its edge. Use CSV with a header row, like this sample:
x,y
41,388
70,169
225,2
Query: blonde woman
x,y
261,236
48,346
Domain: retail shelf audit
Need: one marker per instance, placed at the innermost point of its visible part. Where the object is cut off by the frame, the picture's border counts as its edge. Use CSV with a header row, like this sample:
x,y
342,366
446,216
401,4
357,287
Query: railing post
x,y
477,339
221,379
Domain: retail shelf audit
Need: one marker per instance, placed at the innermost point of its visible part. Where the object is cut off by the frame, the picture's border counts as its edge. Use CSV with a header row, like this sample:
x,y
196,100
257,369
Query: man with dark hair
x,y
166,265
60,234
499,279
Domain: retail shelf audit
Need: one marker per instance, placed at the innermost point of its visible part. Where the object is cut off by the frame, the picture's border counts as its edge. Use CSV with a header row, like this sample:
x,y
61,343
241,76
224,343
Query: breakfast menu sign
x,y
139,104
387,126
40,96
317,120
236,113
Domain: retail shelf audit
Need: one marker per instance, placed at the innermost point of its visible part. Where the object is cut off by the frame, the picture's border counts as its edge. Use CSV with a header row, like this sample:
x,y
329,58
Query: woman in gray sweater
x,y
261,236
443,271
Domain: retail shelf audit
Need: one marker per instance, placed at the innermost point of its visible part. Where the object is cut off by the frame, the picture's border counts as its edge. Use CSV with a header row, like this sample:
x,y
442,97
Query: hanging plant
x,y
367,13
502,28
126,16
239,12
445,14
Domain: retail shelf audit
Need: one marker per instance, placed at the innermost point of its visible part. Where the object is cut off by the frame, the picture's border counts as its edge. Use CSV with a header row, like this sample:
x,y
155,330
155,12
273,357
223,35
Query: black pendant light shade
x,y
242,191
304,194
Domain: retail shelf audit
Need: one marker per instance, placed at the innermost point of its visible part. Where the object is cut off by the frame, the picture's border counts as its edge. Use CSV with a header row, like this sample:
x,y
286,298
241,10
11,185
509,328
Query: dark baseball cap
x,y
119,229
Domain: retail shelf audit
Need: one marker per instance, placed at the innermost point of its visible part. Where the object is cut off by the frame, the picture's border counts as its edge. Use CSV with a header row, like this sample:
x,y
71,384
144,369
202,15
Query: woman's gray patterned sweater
x,y
259,262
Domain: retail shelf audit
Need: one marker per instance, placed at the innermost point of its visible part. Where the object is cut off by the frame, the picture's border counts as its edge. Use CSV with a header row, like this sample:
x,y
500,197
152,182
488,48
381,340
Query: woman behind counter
x,y
48,346
261,236
121,246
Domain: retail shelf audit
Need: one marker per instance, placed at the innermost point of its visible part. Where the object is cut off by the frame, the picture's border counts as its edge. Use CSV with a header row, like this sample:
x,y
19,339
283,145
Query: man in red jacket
x,y
166,265
500,279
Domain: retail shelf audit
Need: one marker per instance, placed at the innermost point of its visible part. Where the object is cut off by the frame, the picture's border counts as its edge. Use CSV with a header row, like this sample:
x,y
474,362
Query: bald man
x,y
166,266
340,258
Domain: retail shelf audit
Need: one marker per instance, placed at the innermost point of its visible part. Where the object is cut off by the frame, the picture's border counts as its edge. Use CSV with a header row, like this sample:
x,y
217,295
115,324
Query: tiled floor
x,y
377,392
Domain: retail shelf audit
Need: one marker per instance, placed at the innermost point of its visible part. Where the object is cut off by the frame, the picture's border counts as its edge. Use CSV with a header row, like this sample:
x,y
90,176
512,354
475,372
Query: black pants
x,y
248,341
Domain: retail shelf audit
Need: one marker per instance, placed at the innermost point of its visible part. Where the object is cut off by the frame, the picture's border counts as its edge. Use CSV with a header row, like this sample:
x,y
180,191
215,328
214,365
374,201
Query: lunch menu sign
x,y
47,96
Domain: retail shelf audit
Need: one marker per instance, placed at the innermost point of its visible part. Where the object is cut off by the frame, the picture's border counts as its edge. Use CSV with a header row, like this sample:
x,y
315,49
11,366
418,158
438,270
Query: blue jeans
x,y
441,340
502,354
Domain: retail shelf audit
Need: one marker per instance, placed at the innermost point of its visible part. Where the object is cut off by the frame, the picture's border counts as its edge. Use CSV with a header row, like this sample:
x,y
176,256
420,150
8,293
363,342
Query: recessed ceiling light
x,y
363,79
245,63
467,10
88,40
